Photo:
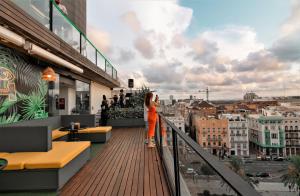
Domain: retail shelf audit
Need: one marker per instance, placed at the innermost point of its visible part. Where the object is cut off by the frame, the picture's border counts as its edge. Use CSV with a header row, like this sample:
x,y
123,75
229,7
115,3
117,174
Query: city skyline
x,y
180,47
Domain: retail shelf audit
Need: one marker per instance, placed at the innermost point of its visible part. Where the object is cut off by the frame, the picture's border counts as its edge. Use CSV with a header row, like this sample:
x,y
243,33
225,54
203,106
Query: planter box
x,y
126,122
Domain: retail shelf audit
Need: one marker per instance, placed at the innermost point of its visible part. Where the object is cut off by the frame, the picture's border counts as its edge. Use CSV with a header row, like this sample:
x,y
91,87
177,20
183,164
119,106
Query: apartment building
x,y
212,134
266,134
237,134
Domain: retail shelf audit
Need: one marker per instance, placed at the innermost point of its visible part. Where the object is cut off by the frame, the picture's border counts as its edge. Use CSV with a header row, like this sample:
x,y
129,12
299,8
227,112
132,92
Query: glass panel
x,y
82,97
64,29
100,61
53,97
38,9
109,68
196,176
167,152
88,50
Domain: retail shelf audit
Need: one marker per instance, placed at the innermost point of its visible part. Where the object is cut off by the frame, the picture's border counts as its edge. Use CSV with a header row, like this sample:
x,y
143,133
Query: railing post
x,y
51,15
80,43
176,163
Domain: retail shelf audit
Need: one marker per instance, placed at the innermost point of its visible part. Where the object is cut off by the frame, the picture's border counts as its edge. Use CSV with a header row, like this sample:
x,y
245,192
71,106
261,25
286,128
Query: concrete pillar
x,y
278,152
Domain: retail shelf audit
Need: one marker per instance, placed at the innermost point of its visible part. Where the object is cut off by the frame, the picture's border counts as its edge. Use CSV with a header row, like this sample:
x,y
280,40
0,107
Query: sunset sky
x,y
180,47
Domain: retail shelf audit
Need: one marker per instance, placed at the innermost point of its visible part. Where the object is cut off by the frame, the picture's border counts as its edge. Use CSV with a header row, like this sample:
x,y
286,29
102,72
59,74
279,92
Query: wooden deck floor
x,y
124,167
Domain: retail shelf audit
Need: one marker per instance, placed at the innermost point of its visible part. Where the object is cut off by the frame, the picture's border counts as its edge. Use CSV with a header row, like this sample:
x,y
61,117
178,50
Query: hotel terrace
x,y
53,76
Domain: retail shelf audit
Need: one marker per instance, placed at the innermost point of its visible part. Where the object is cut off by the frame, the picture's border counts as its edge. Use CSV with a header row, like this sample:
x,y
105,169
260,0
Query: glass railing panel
x,y
88,50
197,177
38,9
109,68
100,61
167,152
115,76
65,29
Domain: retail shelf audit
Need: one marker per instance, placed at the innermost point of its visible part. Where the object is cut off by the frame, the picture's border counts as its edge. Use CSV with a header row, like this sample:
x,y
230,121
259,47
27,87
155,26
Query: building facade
x,y
48,61
212,134
292,134
266,135
237,134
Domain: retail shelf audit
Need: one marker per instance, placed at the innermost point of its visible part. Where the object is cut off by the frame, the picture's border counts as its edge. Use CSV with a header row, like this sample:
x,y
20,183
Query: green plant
x,y
10,119
33,105
292,178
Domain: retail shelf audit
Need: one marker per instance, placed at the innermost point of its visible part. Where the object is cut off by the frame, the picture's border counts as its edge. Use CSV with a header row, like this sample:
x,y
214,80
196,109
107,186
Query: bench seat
x,y
44,170
56,134
60,155
96,130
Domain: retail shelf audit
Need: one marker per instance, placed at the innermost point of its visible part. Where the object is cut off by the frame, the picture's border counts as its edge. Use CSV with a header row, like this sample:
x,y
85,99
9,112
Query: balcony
x,y
44,24
125,166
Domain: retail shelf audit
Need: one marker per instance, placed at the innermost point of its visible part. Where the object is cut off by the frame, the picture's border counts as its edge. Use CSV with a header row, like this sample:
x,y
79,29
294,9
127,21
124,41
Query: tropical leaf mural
x,y
31,91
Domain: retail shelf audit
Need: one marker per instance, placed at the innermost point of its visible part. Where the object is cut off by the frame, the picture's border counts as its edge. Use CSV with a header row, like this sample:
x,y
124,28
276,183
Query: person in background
x,y
104,111
156,99
152,116
146,120
61,6
121,99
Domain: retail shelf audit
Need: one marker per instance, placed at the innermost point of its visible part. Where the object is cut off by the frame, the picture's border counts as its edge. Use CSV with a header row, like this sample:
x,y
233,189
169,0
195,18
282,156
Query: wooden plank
x,y
94,166
96,186
151,173
100,167
135,180
116,186
140,184
124,167
146,173
129,183
158,182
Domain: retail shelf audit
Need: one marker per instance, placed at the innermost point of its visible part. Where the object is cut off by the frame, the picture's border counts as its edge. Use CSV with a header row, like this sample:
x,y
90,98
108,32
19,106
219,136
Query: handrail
x,y
84,36
231,178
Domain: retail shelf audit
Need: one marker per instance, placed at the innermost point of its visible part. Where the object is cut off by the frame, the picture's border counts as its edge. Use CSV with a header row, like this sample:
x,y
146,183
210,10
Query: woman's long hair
x,y
148,98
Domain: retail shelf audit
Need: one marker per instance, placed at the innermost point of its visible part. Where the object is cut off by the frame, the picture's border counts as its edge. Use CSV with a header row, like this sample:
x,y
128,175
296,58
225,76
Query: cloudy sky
x,y
181,46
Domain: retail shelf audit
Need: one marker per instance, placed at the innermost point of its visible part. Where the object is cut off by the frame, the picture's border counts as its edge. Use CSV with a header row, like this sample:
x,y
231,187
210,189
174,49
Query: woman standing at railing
x,y
152,116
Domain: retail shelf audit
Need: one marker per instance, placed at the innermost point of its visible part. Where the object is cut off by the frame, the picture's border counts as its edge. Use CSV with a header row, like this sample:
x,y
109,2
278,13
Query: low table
x,y
3,163
73,133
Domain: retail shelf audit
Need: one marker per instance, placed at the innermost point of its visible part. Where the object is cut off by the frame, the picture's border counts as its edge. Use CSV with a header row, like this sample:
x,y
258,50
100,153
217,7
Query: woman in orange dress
x,y
152,116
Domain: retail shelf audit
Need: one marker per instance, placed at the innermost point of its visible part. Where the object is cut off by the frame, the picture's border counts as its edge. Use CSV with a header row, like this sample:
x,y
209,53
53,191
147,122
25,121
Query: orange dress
x,y
151,120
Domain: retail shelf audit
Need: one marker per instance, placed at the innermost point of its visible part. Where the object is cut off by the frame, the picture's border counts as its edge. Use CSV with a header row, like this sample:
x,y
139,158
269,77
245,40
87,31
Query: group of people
x,y
150,117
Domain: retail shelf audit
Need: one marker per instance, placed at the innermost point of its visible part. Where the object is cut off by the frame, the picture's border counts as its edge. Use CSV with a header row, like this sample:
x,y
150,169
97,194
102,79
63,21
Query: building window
x,y
274,136
244,146
220,144
214,143
179,128
291,128
208,143
204,144
286,128
296,128
82,97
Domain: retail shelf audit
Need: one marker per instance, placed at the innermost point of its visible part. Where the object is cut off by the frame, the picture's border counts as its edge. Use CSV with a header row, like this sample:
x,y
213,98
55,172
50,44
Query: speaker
x,y
130,83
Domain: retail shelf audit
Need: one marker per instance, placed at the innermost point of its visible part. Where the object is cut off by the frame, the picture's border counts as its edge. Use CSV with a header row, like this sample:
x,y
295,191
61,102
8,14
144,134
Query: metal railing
x,y
192,170
48,13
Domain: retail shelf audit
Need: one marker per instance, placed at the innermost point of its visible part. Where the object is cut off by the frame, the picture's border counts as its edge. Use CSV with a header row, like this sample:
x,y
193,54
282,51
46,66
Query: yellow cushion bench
x,y
43,170
96,134
59,135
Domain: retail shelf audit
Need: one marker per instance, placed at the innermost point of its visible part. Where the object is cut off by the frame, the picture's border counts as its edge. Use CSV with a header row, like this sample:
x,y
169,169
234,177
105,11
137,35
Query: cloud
x,y
168,73
125,56
100,38
144,46
132,21
261,61
287,47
